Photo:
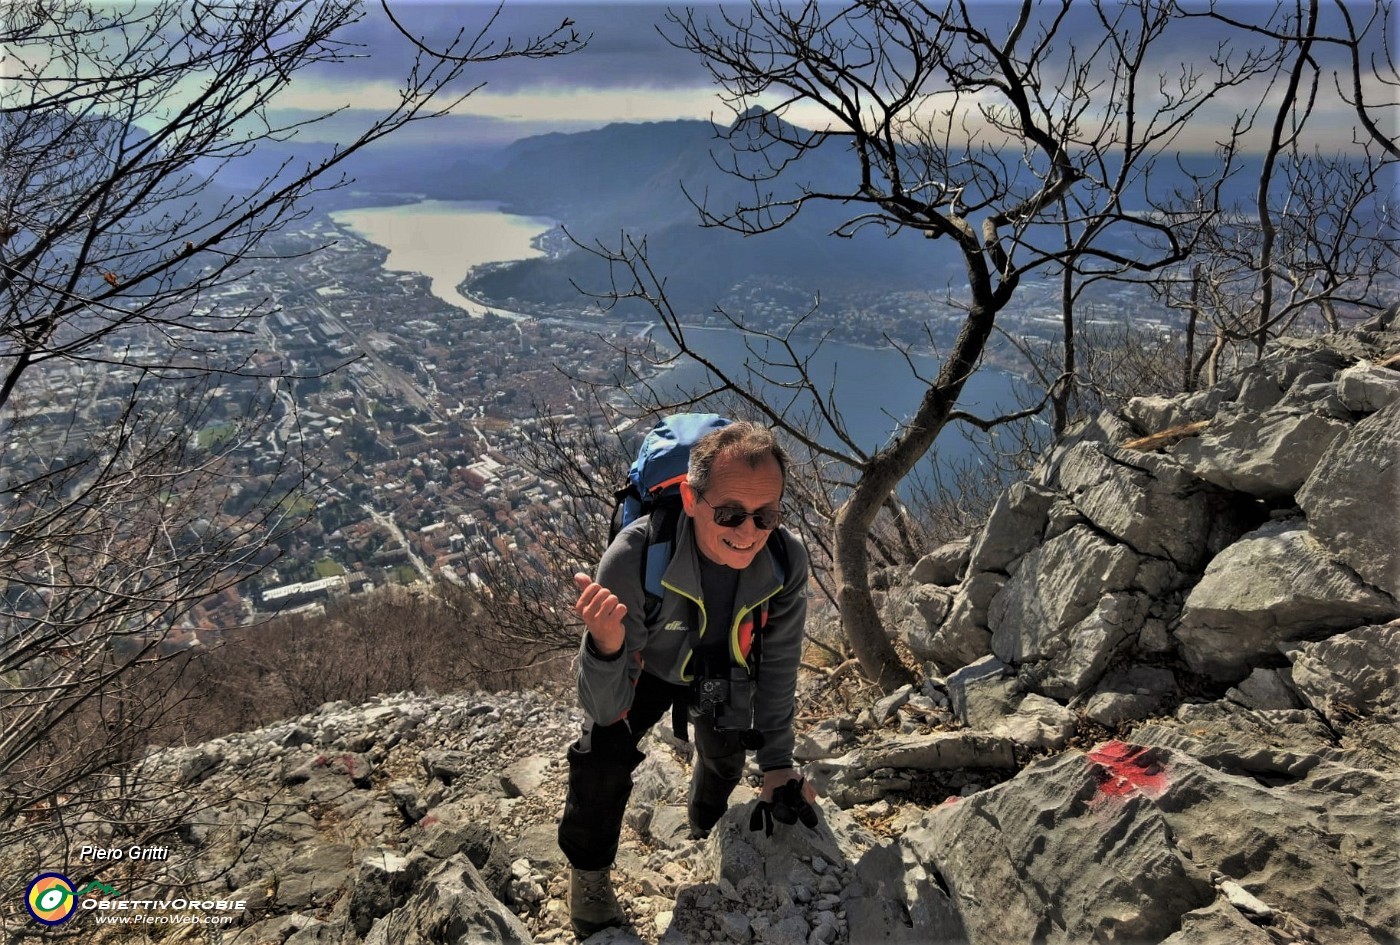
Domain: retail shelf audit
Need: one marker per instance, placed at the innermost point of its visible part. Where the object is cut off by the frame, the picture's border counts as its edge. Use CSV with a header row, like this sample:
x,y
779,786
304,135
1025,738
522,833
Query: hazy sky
x,y
628,71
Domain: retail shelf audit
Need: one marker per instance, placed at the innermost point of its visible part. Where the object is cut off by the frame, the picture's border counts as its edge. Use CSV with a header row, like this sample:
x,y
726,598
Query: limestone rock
x,y
1013,527
1104,429
964,636
914,614
408,800
523,778
446,766
1092,864
382,883
939,751
1037,724
827,739
1219,922
451,907
1366,388
848,780
1264,689
1356,478
1122,843
654,781
1145,501
201,763
1068,612
1155,413
314,875
945,565
983,692
887,707
1269,456
1112,709
1294,593
452,828
1132,694
1352,674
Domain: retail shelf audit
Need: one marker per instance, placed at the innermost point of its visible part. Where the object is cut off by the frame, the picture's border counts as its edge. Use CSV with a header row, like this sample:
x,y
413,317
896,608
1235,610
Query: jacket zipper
x,y
704,622
738,621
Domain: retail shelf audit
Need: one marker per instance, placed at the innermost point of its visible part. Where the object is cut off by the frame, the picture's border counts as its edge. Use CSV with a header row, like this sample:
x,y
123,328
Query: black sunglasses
x,y
731,516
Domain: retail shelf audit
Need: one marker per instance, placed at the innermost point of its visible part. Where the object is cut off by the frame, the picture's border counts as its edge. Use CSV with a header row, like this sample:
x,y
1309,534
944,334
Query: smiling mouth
x,y
743,548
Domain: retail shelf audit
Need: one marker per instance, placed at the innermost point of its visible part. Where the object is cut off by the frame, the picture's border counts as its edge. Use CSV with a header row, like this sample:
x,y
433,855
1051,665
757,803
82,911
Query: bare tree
x,y
524,626
1316,238
995,131
146,457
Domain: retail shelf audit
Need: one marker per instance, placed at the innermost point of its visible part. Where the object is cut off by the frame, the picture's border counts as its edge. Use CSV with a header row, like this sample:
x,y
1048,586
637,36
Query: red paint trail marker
x,y
1122,769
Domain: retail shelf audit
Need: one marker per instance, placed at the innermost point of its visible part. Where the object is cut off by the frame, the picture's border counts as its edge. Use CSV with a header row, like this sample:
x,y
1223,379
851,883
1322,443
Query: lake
x,y
875,387
445,239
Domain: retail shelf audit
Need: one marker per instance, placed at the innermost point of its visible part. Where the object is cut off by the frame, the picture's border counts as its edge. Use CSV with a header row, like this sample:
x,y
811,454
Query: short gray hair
x,y
741,439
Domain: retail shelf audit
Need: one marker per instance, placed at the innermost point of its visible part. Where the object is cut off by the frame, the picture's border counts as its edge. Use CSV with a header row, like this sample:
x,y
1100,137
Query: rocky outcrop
x,y
1295,592
1223,821
411,819
1119,551
1138,841
1352,494
1237,582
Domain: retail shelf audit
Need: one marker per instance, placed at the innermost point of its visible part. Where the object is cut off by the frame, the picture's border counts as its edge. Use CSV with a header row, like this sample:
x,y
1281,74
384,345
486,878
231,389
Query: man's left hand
x,y
781,803
772,780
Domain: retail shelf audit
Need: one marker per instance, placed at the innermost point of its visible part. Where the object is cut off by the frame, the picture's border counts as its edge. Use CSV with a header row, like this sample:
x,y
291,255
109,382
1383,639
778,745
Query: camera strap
x,y
680,710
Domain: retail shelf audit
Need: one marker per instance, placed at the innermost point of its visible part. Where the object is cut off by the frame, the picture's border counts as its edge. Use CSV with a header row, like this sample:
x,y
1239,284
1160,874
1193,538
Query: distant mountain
x,y
635,178
641,178
592,178
387,169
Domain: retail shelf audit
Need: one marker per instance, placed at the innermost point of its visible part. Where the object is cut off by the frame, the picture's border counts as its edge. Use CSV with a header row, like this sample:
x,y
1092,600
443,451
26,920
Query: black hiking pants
x,y
601,763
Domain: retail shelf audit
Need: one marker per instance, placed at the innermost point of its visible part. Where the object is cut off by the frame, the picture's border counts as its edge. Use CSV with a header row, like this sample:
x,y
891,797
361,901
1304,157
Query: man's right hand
x,y
602,613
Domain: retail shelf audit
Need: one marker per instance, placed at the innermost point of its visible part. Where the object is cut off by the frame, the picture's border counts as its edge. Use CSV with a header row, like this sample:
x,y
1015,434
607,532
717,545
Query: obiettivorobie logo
x,y
51,900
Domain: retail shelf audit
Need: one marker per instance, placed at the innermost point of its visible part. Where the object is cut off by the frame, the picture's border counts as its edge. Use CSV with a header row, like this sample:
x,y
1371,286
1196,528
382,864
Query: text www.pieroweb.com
x,y
107,918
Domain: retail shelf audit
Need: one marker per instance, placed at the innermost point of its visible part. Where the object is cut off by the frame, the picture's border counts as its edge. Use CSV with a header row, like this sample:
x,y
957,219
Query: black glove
x,y
788,806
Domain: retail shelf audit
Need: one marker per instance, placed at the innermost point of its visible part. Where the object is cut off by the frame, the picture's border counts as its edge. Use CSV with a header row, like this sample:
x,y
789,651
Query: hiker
x,y
720,648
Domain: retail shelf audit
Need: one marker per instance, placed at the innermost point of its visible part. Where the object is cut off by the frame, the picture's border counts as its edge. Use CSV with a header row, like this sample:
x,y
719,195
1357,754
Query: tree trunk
x,y
1188,368
881,476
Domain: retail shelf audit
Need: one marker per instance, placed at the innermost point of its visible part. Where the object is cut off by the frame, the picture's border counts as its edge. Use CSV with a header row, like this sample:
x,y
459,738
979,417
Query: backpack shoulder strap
x,y
778,547
661,548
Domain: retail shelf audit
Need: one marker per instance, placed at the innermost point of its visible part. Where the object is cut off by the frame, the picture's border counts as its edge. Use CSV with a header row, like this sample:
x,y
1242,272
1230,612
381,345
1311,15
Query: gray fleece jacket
x,y
662,646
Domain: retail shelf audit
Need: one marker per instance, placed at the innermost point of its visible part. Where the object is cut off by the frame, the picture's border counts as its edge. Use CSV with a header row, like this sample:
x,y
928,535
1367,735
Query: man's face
x,y
735,484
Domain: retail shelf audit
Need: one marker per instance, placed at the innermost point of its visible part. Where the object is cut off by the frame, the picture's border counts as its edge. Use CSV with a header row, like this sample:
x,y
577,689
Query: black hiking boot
x,y
592,903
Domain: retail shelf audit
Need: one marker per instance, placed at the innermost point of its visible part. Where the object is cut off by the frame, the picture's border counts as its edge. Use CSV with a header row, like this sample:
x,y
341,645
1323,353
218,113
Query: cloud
x,y
624,48
629,71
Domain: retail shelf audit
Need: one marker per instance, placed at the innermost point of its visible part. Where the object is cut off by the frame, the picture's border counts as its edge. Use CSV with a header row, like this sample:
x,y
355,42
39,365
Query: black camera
x,y
728,701
711,695
736,715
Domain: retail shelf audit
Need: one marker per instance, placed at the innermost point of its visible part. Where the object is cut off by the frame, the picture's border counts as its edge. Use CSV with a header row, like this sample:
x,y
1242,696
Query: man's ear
x,y
688,498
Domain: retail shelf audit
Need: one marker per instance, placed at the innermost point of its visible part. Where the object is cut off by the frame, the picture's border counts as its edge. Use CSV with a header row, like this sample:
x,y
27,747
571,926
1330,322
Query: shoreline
x,y
471,304
477,306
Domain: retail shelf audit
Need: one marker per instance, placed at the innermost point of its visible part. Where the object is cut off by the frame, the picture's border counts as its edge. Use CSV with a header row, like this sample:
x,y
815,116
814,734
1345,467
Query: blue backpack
x,y
653,488
660,467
